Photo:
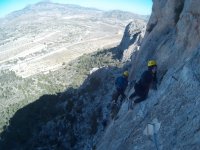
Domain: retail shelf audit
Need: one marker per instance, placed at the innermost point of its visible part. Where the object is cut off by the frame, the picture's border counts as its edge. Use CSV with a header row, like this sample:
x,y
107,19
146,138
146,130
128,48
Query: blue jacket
x,y
121,83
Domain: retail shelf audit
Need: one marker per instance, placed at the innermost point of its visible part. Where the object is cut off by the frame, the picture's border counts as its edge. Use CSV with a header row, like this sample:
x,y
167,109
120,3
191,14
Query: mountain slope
x,y
74,116
172,38
42,37
71,119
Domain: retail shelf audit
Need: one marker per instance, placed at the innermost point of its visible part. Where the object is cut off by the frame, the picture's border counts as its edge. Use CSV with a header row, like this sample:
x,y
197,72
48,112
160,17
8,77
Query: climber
x,y
120,84
147,80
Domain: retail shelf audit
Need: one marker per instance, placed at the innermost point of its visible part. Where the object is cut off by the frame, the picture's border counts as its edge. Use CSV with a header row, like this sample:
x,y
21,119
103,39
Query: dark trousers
x,y
116,95
140,99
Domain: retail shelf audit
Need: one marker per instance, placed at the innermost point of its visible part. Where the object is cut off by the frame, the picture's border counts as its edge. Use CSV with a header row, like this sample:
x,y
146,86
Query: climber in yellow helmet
x,y
120,84
142,87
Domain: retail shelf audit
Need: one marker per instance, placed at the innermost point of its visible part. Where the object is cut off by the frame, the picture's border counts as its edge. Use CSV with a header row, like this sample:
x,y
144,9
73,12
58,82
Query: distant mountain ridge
x,y
124,15
47,31
75,9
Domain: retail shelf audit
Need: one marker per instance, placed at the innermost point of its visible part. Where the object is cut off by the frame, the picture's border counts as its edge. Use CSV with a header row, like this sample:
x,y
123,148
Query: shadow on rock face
x,y
28,119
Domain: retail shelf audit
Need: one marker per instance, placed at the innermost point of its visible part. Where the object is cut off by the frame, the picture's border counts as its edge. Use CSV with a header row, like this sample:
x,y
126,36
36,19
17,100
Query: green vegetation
x,y
34,99
17,92
85,63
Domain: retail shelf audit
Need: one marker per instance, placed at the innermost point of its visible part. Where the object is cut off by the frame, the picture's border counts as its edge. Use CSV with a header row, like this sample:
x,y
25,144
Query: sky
x,y
142,7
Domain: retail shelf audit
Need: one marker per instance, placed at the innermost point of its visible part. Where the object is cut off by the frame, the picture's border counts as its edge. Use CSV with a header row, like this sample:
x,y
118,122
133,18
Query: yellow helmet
x,y
126,73
151,63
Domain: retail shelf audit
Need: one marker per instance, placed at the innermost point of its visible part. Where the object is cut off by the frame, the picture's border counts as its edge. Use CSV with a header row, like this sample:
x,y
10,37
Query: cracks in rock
x,y
133,40
197,130
162,75
197,77
151,27
178,10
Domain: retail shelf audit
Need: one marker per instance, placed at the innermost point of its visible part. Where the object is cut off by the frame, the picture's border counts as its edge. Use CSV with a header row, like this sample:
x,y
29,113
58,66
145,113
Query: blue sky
x,y
137,6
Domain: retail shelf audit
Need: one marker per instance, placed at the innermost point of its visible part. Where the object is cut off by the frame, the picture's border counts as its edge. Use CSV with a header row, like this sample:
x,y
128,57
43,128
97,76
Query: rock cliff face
x,y
172,38
132,39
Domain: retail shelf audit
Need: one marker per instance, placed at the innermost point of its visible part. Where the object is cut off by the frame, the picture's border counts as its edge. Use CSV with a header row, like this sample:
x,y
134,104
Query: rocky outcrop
x,y
172,38
172,34
132,39
80,127
69,120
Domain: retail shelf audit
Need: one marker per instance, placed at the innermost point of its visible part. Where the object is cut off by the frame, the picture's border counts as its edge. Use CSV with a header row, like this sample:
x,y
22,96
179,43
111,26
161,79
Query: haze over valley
x,y
44,36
